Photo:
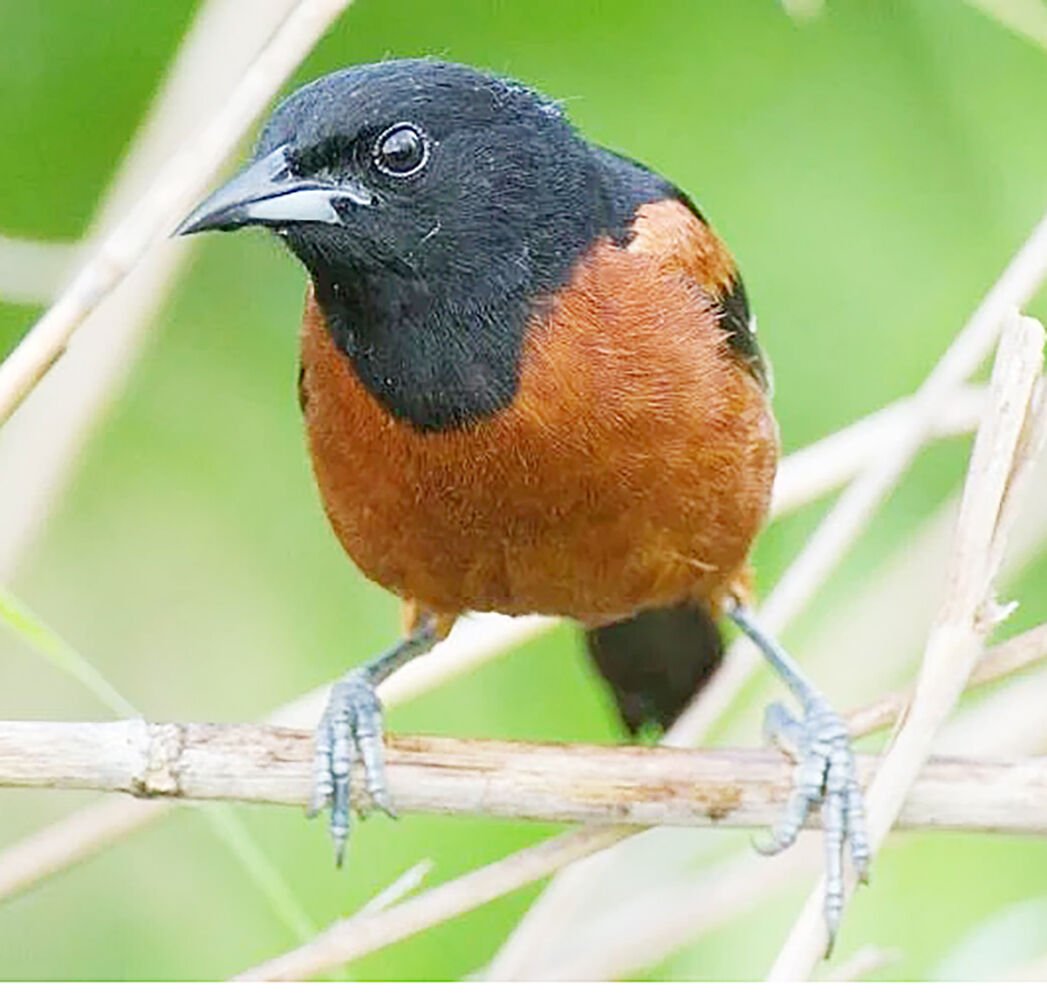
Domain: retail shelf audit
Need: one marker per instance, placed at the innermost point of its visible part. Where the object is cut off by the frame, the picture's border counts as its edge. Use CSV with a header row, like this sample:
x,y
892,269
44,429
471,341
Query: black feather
x,y
656,662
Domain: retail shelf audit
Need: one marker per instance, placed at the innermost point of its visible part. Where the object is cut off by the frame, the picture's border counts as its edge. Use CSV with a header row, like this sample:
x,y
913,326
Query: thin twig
x,y
1026,18
170,196
642,930
862,964
816,470
1018,653
967,614
41,446
348,939
403,885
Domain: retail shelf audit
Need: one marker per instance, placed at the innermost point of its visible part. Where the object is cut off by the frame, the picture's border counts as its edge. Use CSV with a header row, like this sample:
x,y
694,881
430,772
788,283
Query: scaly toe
x,y
350,734
323,788
825,776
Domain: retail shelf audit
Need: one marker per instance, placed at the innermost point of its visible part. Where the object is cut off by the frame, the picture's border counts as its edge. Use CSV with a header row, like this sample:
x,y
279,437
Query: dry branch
x,y
640,786
170,196
1007,441
41,447
344,940
348,939
813,471
1017,653
863,963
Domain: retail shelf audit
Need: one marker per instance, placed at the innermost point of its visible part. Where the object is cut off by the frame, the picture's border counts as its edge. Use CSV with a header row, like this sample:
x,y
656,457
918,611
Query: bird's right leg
x,y
351,732
826,773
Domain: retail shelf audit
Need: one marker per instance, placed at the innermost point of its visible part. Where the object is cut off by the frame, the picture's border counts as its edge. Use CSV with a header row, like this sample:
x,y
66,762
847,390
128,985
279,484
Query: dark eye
x,y
401,150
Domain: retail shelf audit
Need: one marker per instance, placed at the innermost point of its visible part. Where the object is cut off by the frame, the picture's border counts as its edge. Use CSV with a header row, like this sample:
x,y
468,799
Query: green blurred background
x,y
872,168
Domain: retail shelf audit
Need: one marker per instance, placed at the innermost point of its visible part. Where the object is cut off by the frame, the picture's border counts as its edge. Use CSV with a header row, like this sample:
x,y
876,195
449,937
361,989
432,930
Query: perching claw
x,y
351,733
825,775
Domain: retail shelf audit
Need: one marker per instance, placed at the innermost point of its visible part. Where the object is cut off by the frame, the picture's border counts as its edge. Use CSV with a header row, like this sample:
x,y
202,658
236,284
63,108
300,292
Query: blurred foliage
x,y
872,169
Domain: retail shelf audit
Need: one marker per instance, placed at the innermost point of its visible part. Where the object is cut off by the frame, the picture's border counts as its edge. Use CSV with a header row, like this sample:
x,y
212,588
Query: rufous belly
x,y
633,469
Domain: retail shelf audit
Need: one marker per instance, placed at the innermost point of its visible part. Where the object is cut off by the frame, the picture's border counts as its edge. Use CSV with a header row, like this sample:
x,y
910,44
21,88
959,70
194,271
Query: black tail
x,y
656,662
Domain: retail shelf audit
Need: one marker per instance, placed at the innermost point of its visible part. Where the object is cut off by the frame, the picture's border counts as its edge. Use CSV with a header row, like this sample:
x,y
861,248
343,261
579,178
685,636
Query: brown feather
x,y
673,235
632,470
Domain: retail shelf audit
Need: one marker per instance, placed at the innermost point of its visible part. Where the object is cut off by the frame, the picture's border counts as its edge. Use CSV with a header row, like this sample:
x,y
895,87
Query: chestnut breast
x,y
632,469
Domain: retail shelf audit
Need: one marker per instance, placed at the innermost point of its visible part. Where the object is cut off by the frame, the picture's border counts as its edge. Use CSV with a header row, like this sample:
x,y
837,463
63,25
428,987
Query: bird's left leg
x,y
350,734
825,771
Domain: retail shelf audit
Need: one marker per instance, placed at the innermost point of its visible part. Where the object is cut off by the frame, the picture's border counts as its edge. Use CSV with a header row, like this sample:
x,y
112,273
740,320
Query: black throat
x,y
437,338
433,357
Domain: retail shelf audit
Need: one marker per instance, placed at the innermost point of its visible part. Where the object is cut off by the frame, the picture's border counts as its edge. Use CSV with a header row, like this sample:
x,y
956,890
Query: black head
x,y
435,207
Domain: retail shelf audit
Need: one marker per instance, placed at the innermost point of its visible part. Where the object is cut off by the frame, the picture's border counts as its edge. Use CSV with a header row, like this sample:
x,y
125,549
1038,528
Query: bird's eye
x,y
401,150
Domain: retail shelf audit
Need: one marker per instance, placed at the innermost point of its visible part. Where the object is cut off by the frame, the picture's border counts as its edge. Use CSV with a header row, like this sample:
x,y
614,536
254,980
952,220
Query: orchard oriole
x,y
531,383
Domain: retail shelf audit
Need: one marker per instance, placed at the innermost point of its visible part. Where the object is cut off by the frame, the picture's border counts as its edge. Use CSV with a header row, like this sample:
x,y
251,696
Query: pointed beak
x,y
267,193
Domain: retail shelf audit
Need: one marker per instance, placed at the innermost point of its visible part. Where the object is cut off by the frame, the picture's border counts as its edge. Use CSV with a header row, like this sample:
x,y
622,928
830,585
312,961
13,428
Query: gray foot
x,y
350,735
825,776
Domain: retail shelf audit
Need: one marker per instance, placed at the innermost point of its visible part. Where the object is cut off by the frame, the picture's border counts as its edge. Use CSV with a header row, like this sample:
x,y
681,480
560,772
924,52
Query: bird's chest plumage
x,y
632,469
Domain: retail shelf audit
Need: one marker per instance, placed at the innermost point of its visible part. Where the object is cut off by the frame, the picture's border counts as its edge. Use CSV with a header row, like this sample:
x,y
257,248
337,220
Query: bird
x,y
531,383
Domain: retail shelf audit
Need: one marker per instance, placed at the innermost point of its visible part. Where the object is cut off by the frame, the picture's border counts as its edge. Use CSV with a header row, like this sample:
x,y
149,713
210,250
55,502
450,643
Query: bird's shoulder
x,y
647,214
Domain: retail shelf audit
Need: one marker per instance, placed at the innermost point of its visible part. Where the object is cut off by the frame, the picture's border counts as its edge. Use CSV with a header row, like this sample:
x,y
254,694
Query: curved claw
x,y
341,842
825,776
381,799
